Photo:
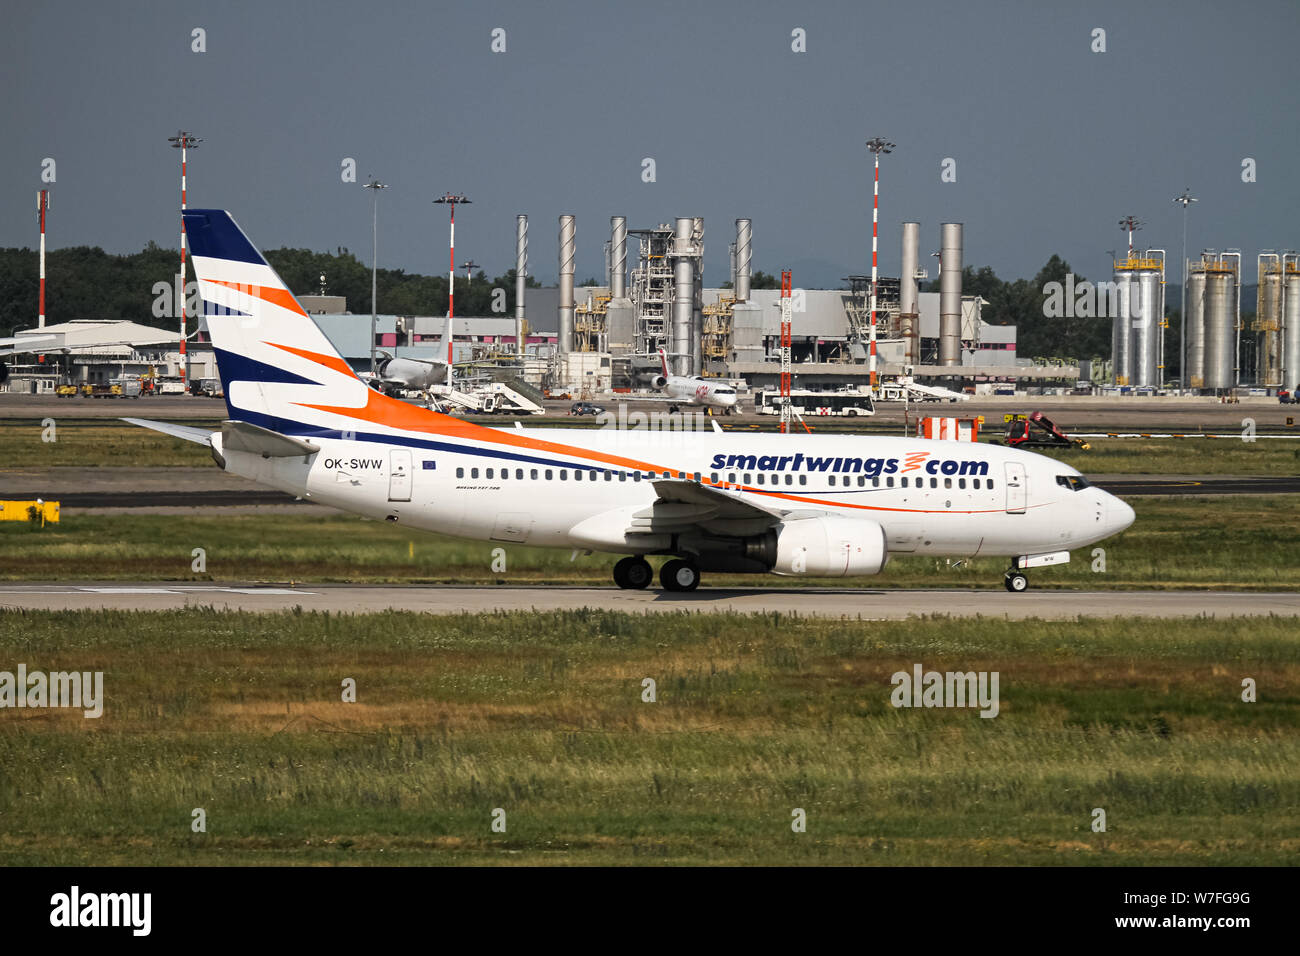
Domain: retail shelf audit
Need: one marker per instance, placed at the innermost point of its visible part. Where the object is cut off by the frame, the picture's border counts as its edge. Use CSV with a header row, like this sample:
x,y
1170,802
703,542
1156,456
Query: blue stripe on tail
x,y
213,234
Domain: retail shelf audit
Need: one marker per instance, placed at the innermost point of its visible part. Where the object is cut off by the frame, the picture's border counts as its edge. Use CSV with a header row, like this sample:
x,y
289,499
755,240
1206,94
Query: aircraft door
x,y
1017,488
399,474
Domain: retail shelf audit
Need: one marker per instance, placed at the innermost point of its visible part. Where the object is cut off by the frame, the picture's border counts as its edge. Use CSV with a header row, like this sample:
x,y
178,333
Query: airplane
x,y
815,505
692,390
392,373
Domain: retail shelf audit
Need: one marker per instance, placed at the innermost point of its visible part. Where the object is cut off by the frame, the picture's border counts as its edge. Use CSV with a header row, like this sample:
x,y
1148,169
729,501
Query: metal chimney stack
x,y
743,256
908,315
683,296
521,283
950,293
618,257
697,310
564,337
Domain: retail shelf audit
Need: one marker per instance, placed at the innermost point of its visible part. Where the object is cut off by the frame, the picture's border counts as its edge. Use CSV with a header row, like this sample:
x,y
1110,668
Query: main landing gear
x,y
635,573
1015,581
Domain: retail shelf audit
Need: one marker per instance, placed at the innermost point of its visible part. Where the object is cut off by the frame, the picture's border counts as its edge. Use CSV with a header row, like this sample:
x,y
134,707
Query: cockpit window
x,y
1073,482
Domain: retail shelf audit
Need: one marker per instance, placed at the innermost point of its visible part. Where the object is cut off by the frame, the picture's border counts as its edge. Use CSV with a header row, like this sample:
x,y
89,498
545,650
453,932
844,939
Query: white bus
x,y
808,402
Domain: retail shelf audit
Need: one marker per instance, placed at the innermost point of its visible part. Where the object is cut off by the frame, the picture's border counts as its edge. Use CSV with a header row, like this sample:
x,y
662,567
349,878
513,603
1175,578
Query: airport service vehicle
x,y
585,408
849,403
679,390
1036,430
301,421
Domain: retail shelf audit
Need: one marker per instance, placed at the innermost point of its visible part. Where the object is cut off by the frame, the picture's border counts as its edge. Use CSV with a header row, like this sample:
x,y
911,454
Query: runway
x,y
835,603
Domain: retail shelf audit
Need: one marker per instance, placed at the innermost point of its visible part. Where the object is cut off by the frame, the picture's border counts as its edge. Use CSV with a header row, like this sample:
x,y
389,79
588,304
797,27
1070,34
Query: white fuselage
x,y
698,391
931,497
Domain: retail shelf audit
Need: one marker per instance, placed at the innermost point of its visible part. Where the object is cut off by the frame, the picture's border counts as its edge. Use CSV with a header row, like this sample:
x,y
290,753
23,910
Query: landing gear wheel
x,y
633,573
1015,582
678,575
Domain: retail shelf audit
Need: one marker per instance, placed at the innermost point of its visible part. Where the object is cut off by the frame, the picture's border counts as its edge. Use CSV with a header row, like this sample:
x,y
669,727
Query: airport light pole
x,y
1132,224
877,146
451,200
374,186
184,141
1186,199
469,266
42,206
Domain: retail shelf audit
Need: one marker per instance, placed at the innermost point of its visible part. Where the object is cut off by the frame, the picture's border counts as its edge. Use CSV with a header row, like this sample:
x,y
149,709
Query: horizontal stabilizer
x,y
241,436
200,436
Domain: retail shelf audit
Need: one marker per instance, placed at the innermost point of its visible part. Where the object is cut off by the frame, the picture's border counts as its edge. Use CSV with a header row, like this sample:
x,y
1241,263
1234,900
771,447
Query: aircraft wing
x,y
685,505
200,436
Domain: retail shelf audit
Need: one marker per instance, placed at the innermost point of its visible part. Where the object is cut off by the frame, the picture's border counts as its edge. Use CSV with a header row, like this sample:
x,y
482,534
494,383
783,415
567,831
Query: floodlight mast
x,y
451,200
184,141
876,146
374,186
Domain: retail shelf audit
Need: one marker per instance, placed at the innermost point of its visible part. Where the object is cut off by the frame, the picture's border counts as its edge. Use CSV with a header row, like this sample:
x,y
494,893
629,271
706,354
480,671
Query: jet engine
x,y
659,381
830,546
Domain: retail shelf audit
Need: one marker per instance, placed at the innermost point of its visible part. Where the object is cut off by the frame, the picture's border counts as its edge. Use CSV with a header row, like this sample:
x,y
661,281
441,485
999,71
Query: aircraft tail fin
x,y
270,355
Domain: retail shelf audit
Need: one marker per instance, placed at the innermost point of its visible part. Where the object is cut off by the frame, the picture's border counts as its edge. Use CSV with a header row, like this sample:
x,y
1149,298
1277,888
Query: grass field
x,y
100,443
542,715
1247,542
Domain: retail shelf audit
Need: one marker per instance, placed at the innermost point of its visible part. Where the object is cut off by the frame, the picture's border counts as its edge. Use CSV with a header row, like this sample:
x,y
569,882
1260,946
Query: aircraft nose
x,y
1119,514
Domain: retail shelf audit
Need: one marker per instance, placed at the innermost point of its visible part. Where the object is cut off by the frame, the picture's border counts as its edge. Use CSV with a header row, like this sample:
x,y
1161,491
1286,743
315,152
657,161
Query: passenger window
x,y
832,481
934,482
975,483
697,476
760,478
636,476
609,475
803,479
591,475
564,474
519,474
990,484
533,474
622,476
862,481
961,483
732,477
789,479
473,472
947,482
713,477
548,474
489,473
460,472
890,482
748,478
903,480
875,482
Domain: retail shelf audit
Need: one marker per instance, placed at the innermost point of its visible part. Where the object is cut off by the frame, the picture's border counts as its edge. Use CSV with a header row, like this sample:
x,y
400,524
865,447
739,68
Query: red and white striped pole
x,y
183,141
42,204
877,146
451,200
875,218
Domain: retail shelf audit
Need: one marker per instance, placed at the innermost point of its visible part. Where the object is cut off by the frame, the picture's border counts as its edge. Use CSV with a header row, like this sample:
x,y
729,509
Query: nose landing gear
x,y
1015,581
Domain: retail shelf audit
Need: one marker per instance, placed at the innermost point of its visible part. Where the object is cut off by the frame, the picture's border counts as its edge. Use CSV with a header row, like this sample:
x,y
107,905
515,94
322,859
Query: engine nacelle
x,y
659,381
830,546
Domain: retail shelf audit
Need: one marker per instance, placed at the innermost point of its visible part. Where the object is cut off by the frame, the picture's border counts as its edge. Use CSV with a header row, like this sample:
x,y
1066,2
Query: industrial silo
x,y
1146,319
1194,328
1220,323
1291,321
1268,321
1120,330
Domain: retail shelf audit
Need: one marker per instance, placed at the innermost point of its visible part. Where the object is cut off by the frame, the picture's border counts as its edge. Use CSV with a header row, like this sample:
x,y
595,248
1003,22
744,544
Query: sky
x,y
1051,142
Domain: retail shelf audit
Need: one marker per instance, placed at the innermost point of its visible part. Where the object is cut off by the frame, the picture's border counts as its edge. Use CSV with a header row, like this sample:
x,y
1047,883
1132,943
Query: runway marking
x,y
175,590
